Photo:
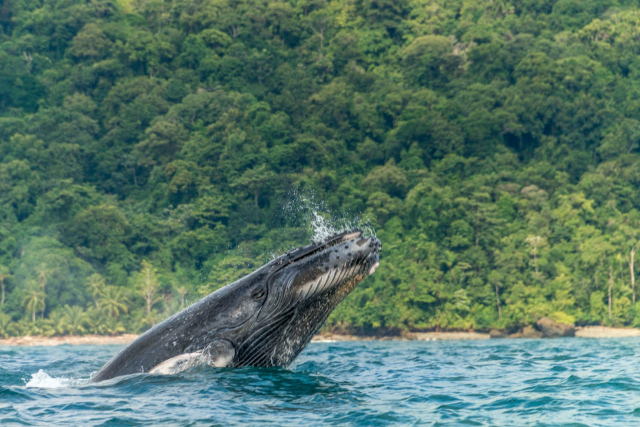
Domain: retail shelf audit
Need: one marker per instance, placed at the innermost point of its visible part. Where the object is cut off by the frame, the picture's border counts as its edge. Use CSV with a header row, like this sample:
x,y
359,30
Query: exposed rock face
x,y
553,329
494,333
530,332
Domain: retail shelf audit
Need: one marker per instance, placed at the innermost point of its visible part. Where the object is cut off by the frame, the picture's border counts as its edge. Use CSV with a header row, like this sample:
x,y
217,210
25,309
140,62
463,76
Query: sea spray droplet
x,y
304,210
321,227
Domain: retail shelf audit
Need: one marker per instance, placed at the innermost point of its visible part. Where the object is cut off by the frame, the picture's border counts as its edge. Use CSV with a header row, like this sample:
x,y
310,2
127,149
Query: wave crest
x,y
43,380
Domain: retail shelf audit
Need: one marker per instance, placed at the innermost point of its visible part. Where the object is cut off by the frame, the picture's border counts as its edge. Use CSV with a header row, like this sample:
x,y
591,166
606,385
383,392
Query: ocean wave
x,y
357,383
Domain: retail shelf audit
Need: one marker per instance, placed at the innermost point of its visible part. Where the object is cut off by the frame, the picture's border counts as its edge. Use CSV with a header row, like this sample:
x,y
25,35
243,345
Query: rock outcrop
x,y
495,333
530,332
553,329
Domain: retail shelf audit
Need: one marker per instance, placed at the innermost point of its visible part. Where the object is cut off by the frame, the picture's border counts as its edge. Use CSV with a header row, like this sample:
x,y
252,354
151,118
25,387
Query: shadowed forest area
x,y
147,149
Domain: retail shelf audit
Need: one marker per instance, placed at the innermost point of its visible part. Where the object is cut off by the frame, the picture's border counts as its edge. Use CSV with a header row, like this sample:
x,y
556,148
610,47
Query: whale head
x,y
300,291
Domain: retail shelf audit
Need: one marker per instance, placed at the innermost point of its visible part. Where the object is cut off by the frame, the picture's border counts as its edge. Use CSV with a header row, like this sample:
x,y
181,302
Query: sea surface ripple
x,y
494,382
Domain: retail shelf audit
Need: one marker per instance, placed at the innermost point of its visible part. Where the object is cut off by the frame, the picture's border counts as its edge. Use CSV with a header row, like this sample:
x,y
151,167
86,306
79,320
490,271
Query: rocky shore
x,y
543,328
412,336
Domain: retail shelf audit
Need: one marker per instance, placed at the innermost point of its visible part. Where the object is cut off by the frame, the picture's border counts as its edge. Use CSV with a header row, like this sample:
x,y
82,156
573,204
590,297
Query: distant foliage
x,y
147,149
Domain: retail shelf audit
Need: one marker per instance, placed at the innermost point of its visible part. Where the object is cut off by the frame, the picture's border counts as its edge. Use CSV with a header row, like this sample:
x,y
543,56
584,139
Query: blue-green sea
x,y
493,382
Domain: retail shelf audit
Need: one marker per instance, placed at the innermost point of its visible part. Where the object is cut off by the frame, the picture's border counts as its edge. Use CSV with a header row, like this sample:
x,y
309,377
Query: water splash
x,y
306,211
43,380
322,229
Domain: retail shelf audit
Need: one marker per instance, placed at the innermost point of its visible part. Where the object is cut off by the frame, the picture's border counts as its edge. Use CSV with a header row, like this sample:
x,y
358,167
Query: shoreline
x,y
581,332
31,341
411,336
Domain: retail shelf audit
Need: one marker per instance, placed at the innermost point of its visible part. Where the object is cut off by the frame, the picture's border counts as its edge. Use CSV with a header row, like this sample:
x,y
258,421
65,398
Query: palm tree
x,y
56,322
96,285
113,301
34,300
111,326
75,319
94,320
43,272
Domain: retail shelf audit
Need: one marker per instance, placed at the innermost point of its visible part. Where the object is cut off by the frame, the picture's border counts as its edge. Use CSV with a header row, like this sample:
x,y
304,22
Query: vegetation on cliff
x,y
148,148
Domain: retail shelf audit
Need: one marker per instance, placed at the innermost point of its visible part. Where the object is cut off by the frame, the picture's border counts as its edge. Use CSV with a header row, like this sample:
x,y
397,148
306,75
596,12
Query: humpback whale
x,y
263,319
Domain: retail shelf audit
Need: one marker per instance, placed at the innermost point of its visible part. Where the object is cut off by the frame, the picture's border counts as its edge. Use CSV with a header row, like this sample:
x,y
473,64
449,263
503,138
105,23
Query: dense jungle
x,y
152,151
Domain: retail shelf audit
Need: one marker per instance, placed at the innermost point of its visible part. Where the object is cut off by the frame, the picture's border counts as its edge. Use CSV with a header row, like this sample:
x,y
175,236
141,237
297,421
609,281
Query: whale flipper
x,y
219,354
177,364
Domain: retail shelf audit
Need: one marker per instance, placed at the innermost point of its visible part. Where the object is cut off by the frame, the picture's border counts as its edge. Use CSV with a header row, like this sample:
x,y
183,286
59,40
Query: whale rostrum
x,y
264,319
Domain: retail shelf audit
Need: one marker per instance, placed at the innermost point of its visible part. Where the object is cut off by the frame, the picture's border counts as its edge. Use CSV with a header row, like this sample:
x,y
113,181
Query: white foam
x,y
43,380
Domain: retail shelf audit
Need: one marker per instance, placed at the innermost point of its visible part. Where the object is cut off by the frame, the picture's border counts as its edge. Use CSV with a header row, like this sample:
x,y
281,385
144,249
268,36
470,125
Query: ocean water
x,y
493,382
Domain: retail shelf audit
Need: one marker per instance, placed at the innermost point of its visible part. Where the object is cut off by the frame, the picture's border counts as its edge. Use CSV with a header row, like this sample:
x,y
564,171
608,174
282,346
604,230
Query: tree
x,y
632,274
75,319
6,324
255,180
111,326
610,289
182,292
90,42
536,242
495,278
148,286
96,285
319,22
113,301
4,274
34,300
163,141
43,271
430,60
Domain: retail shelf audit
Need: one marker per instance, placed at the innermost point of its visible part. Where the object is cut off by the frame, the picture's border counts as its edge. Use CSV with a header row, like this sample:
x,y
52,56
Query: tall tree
x,y
148,286
182,293
34,300
632,254
43,271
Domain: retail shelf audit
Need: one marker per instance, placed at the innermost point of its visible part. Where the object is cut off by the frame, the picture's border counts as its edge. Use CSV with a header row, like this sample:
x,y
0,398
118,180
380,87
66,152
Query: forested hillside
x,y
149,150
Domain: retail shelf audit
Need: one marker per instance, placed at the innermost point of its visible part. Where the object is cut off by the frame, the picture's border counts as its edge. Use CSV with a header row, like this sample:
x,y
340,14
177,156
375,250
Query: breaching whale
x,y
264,319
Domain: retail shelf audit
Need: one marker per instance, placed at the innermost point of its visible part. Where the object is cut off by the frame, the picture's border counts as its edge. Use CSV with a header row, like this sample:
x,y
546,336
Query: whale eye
x,y
258,293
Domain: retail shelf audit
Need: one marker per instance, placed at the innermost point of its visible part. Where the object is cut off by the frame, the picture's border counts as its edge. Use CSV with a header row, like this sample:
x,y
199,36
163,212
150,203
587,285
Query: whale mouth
x,y
334,264
339,238
349,236
317,247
